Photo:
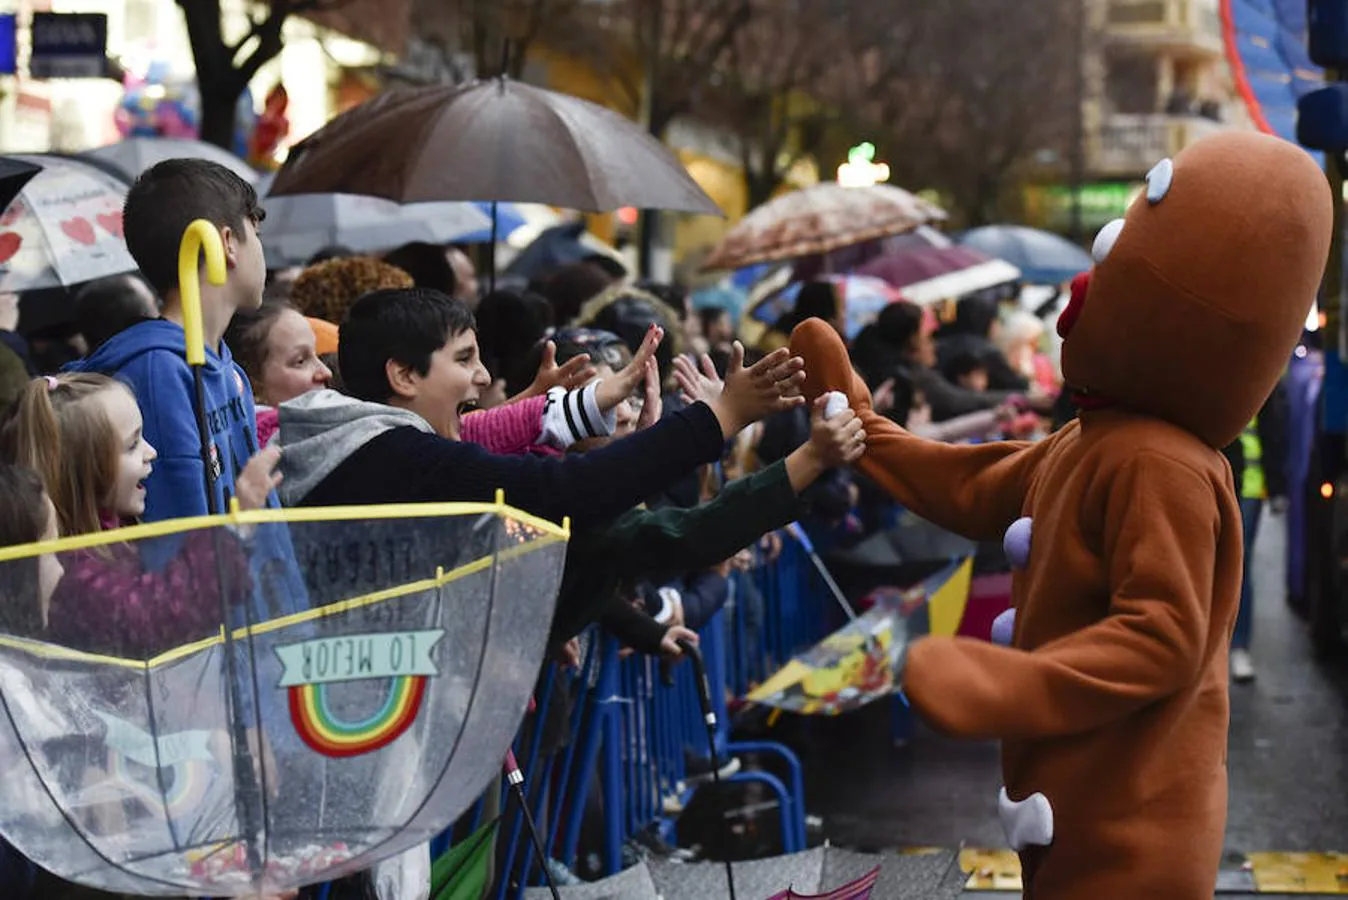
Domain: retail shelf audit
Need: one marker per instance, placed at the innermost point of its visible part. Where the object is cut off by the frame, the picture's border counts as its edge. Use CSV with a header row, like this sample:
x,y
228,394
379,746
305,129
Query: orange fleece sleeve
x,y
1160,523
974,490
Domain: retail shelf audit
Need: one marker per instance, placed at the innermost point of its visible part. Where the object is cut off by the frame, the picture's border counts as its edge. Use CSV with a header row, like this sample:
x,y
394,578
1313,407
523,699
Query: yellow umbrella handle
x,y
200,236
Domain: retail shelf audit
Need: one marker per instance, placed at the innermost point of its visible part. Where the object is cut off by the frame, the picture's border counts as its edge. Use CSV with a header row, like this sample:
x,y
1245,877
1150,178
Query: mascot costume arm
x,y
1148,646
972,489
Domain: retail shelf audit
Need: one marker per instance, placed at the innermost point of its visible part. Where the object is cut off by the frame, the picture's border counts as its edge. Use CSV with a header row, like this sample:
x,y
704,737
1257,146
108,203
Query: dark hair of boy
x,y
427,264
168,197
108,306
406,325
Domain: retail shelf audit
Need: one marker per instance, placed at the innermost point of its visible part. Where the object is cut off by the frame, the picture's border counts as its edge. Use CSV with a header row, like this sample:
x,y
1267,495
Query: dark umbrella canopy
x,y
14,174
497,140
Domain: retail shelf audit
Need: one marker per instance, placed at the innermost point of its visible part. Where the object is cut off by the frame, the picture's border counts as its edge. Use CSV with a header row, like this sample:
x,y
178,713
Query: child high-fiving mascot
x,y
1112,701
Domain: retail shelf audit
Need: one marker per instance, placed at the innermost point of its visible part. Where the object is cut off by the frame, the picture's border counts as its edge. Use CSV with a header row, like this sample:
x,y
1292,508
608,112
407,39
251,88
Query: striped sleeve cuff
x,y
571,416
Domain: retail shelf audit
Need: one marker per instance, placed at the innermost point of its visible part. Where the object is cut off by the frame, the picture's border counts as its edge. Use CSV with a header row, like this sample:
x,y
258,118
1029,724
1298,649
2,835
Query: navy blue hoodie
x,y
151,357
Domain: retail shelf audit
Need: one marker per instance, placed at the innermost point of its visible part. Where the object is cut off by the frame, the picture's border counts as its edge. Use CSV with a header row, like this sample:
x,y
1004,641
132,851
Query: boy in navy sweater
x,y
409,361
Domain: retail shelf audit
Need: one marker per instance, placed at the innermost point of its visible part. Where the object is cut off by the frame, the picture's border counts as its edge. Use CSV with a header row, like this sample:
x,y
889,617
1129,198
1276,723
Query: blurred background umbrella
x,y
299,226
820,219
509,218
926,274
63,228
134,155
14,174
1041,256
559,246
862,297
498,140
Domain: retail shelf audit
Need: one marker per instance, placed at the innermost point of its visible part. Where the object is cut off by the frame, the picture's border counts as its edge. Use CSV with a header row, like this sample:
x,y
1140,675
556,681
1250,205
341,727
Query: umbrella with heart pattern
x,y
64,227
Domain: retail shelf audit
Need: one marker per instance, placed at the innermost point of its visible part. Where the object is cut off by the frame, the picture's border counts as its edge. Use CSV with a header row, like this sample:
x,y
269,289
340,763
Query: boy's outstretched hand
x,y
771,385
624,384
838,440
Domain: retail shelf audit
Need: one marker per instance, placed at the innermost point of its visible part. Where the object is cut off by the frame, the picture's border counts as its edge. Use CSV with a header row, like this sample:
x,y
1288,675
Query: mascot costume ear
x,y
1110,693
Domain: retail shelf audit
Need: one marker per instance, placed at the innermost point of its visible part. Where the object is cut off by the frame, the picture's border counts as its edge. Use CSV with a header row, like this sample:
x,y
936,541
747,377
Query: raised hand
x,y
695,385
575,372
624,384
771,385
652,406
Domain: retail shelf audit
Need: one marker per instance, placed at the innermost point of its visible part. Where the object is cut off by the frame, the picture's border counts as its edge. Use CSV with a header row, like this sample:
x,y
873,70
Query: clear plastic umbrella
x,y
63,228
180,730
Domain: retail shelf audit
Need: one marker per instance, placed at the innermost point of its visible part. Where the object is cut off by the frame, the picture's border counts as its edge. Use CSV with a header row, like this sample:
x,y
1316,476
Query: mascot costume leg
x,y
1112,699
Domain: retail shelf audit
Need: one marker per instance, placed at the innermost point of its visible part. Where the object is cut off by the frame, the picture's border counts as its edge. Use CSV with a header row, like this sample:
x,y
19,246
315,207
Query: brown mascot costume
x,y
1111,701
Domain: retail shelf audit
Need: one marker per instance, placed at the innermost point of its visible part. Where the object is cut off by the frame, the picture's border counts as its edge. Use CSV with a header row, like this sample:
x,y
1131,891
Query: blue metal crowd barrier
x,y
631,729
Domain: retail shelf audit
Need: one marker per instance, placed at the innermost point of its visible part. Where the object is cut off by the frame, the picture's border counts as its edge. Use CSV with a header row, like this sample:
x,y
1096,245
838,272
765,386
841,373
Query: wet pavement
x,y
1288,755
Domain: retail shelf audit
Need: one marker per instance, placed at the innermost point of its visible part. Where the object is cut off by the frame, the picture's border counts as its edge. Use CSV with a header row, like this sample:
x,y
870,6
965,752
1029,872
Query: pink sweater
x,y
509,430
107,602
546,425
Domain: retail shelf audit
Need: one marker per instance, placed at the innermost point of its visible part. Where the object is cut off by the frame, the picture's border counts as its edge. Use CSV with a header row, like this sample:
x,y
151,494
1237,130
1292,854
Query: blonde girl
x,y
82,434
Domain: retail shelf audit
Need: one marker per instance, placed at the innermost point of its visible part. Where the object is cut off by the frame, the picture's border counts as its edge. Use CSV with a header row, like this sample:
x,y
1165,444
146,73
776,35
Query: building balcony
x,y
1127,146
1180,27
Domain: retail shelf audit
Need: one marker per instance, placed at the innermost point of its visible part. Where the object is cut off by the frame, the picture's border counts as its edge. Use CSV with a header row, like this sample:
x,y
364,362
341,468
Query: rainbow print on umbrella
x,y
311,667
136,758
327,734
191,781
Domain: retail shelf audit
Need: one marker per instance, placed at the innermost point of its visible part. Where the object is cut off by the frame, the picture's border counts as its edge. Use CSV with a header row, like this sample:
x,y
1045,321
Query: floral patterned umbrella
x,y
64,228
820,219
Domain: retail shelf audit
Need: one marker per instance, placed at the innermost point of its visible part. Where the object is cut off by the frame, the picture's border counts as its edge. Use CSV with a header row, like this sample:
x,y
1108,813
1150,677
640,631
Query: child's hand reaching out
x,y
652,405
771,385
574,373
615,390
698,384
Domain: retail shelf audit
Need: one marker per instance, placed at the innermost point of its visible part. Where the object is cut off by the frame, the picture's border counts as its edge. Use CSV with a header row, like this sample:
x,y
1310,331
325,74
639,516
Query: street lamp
x,y
861,169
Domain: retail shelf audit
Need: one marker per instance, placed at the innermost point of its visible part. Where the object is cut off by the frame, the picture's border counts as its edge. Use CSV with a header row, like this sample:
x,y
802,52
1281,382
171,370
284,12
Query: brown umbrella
x,y
820,219
497,140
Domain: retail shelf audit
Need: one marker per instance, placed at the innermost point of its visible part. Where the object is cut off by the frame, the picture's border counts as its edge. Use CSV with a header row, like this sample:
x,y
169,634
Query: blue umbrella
x,y
1041,256
508,218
